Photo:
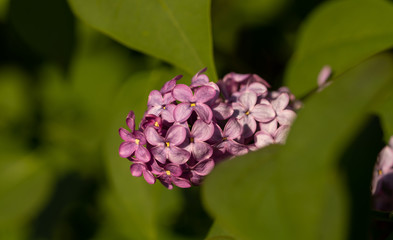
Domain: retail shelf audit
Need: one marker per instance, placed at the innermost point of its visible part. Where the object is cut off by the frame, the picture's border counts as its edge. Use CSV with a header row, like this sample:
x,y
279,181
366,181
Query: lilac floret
x,y
167,148
170,174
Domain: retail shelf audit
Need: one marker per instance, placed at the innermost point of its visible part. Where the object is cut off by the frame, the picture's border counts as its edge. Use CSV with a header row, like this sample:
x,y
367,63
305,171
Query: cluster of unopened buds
x,y
186,130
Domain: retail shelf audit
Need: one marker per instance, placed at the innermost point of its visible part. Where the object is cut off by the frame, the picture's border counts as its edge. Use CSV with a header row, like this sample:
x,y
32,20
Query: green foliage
x,y
285,189
340,34
175,31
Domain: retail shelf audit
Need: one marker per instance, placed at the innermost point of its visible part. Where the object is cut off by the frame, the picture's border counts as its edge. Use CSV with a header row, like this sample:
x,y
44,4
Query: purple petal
x,y
286,117
239,110
155,98
324,75
263,139
131,121
281,102
281,134
217,134
168,98
256,78
182,112
159,153
176,135
178,155
249,126
199,79
126,135
204,94
258,88
153,137
385,160
126,149
183,93
149,177
136,169
154,110
140,136
204,167
142,154
235,148
168,86
222,111
167,113
238,77
174,169
181,182
201,151
202,131
204,112
263,113
269,127
248,99
232,129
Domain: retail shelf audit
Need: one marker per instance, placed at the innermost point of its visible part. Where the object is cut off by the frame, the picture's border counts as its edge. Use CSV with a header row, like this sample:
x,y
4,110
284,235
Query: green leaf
x,y
147,210
297,191
176,31
386,114
340,34
25,184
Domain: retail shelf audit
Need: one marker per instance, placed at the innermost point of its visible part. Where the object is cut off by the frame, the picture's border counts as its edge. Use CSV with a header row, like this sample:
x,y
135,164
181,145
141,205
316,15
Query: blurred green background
x,y
66,88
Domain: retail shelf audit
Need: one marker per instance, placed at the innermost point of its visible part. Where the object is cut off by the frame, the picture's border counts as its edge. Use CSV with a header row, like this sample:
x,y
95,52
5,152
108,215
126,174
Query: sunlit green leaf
x,y
175,31
340,34
297,191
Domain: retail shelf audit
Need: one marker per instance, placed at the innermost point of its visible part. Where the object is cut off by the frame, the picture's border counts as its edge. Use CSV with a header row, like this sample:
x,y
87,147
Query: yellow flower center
x,y
156,124
192,140
224,139
137,141
163,107
380,172
167,144
168,172
192,105
248,112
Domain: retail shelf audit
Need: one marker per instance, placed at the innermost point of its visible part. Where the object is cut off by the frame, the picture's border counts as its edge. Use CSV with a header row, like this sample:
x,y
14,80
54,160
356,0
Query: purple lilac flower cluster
x,y
186,130
382,184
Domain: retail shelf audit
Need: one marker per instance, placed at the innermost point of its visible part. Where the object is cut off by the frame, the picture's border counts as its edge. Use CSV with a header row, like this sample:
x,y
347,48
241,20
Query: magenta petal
x,y
153,137
238,77
142,154
182,93
154,110
232,129
286,117
136,169
235,148
217,134
126,135
168,98
263,139
199,79
178,155
126,149
269,127
263,113
204,94
176,135
281,102
174,169
204,112
159,153
131,121
281,134
182,112
249,126
258,88
181,182
155,98
204,167
222,111
201,151
149,177
202,131
168,86
324,75
167,113
248,99
140,136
